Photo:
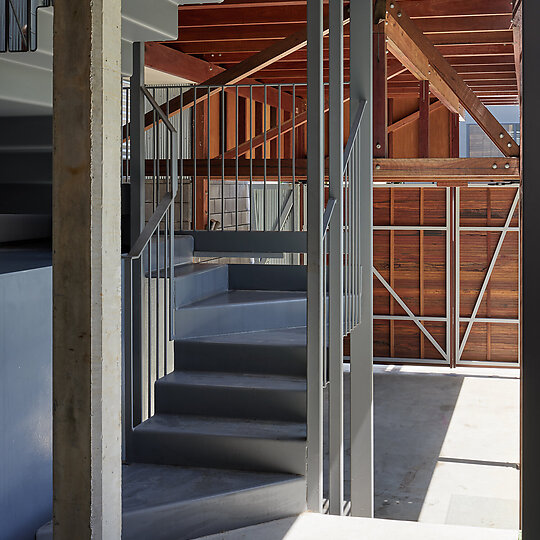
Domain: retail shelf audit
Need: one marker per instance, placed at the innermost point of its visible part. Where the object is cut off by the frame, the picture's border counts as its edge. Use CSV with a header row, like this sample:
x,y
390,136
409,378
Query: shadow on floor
x,y
412,414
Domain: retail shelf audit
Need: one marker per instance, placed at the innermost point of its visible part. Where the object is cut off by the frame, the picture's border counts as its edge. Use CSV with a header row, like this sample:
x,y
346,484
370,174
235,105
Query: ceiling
x,y
475,36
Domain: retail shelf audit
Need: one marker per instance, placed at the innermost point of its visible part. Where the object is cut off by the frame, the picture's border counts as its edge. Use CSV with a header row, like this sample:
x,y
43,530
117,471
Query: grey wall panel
x,y
25,402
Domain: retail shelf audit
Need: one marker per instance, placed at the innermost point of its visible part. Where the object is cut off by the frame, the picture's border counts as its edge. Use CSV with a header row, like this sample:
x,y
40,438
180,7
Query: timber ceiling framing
x,y
475,37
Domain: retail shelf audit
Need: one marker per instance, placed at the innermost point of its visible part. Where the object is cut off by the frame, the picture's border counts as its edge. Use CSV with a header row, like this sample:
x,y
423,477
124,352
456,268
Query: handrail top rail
x,y
327,216
158,109
353,133
151,226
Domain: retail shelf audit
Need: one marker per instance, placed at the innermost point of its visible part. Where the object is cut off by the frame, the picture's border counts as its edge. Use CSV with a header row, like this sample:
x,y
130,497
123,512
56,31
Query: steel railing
x,y
18,24
149,264
241,164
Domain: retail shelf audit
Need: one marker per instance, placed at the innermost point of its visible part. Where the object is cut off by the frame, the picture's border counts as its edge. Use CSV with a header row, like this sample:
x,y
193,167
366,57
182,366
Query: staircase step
x,y
228,443
241,311
176,503
280,352
265,397
195,282
268,277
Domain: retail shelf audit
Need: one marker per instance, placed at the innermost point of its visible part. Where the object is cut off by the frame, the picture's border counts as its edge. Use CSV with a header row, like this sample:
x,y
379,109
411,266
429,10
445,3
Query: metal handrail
x,y
353,134
327,216
151,226
164,118
18,30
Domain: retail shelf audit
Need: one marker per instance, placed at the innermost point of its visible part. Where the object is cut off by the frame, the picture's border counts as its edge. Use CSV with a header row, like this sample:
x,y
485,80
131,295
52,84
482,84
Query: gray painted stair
x,y
228,443
241,311
279,352
235,395
194,282
165,502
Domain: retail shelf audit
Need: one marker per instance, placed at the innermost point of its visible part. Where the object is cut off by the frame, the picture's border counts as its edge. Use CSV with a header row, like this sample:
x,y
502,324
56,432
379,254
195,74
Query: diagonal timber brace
x,y
409,45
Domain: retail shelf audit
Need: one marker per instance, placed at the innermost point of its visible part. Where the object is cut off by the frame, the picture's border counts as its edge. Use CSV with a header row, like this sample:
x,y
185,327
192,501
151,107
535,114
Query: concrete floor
x,y
324,527
447,446
446,453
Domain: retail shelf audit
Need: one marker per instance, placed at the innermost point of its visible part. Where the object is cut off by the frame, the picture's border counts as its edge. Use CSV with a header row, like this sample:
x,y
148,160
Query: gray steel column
x,y
335,270
137,220
315,197
530,371
361,42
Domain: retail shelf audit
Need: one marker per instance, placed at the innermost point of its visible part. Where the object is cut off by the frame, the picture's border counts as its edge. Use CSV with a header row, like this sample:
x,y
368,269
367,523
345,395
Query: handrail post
x,y
137,217
361,45
315,306
335,270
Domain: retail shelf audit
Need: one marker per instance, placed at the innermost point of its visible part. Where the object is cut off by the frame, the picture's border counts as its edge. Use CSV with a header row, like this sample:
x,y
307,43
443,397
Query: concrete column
x,y
86,270
361,87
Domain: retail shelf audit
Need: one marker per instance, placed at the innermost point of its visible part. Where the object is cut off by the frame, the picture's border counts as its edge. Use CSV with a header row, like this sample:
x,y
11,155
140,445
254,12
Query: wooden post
x,y
380,108
423,120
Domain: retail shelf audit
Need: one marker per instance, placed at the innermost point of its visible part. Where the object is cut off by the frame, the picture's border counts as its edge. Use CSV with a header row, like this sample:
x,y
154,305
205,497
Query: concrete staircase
x,y
226,446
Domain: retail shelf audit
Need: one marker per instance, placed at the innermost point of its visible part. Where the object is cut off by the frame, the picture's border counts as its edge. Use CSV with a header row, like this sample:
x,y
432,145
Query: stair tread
x,y
286,337
225,427
235,380
148,485
170,488
247,297
195,268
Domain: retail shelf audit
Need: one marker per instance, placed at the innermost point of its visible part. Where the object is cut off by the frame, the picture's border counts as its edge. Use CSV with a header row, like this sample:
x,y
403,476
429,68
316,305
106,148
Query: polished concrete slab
x,y
323,527
447,446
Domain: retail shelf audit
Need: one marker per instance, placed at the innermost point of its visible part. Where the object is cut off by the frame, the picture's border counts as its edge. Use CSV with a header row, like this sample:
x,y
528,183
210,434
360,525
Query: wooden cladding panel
x,y
499,342
414,264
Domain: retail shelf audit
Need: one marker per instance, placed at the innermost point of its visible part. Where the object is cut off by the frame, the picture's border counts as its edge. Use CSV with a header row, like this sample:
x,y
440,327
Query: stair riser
x,y
264,404
235,358
229,512
198,286
226,319
268,277
212,515
201,450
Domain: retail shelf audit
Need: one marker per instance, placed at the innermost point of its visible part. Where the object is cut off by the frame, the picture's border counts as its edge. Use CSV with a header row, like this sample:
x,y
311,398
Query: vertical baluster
x,y
223,119
236,163
194,186
181,148
279,160
250,157
208,153
157,181
264,158
293,156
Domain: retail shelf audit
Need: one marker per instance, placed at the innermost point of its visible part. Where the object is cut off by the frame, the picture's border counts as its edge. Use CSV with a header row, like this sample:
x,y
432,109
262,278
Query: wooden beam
x,y
446,170
175,62
425,60
517,24
413,117
247,169
243,70
423,120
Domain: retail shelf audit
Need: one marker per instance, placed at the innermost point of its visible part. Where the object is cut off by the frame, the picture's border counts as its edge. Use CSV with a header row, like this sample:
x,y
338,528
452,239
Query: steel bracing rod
x,y
412,316
333,222
488,274
315,303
